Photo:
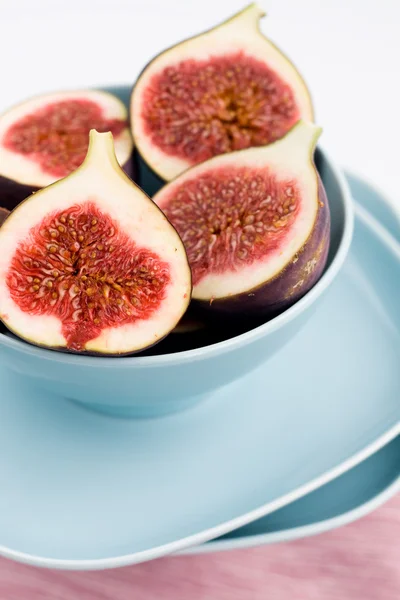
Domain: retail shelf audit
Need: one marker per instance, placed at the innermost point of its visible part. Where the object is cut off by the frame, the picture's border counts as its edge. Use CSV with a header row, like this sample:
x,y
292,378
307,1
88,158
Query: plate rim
x,y
216,531
323,525
302,531
384,197
207,534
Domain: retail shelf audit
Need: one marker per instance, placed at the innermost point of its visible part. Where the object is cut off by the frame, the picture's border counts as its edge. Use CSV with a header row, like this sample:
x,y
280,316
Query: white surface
x,y
347,50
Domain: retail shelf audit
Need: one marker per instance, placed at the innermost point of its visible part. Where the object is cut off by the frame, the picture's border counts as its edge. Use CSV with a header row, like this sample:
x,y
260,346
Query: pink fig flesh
x,y
79,267
46,139
197,109
56,136
232,217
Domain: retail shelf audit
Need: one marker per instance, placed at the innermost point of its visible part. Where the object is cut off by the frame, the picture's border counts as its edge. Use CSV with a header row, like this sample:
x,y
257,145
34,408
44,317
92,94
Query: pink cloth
x,y
358,562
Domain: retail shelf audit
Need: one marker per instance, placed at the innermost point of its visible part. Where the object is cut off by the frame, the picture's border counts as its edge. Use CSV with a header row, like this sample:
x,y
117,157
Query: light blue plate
x,y
83,491
350,496
370,197
347,498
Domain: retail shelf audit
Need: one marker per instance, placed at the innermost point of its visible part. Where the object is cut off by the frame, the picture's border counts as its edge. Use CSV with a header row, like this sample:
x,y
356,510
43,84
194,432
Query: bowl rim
x,y
231,344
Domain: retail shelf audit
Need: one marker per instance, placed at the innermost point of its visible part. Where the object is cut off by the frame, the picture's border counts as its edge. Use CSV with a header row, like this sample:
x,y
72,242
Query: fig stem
x,y
101,150
251,13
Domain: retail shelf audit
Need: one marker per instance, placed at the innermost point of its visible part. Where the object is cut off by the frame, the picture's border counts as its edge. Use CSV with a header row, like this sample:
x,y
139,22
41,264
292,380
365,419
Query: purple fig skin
x,y
292,283
3,216
13,193
146,178
4,212
189,323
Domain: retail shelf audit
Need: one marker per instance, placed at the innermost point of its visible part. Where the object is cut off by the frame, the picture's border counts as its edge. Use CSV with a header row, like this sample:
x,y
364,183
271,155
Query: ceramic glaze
x,y
124,491
344,500
148,386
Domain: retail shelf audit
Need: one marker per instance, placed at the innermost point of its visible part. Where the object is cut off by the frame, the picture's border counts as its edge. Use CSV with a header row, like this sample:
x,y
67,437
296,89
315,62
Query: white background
x,y
347,50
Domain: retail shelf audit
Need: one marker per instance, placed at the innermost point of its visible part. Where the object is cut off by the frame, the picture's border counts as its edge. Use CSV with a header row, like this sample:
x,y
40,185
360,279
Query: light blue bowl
x,y
154,385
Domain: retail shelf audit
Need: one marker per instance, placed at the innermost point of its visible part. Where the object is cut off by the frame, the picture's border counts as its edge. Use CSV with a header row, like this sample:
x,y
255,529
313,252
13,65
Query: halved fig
x,y
255,224
223,90
46,137
91,264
